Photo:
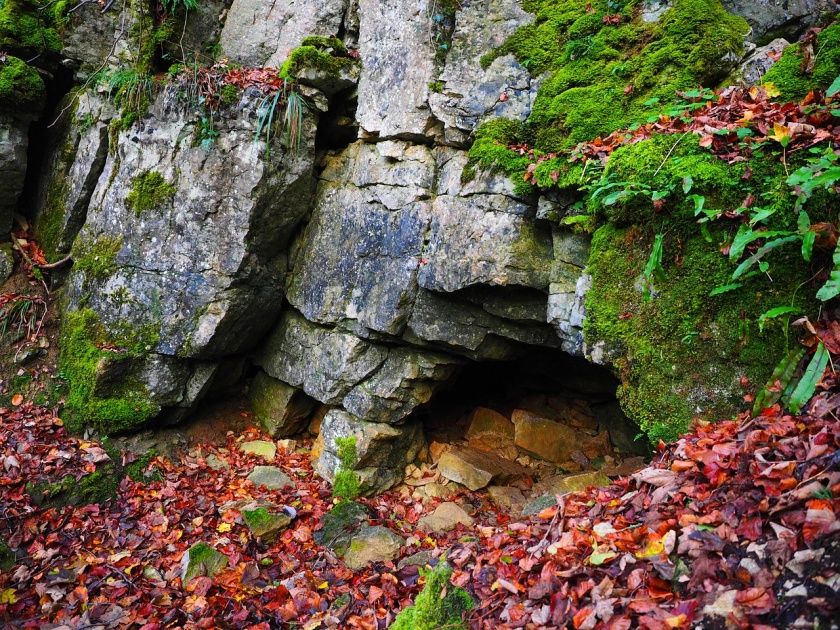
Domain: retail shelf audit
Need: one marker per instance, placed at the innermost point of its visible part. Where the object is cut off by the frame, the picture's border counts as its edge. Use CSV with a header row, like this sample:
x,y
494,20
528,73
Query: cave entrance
x,y
545,409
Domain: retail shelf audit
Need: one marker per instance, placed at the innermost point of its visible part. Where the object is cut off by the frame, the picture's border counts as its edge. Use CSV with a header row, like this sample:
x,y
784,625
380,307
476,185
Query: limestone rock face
x,y
396,43
786,18
362,249
467,92
759,61
280,409
382,450
14,142
75,161
259,33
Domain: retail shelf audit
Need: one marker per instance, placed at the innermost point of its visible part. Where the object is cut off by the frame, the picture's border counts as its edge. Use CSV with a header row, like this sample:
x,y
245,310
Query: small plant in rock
x,y
347,485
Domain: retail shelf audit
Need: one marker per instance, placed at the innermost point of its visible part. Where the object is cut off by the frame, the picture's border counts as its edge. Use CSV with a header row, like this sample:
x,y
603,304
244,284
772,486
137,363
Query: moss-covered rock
x,y
29,25
788,76
265,524
21,87
439,604
681,353
605,74
88,356
95,487
339,524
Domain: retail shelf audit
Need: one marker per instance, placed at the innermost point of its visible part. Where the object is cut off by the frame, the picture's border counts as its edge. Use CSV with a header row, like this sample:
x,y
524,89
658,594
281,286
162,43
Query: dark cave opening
x,y
544,382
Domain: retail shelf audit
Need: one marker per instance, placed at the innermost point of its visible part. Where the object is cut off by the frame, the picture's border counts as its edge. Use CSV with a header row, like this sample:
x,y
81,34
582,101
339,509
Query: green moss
x,y
439,604
21,87
602,75
491,150
332,45
149,191
87,357
346,485
97,258
339,524
264,524
8,558
95,487
326,59
202,559
682,351
662,163
229,94
786,74
26,26
139,472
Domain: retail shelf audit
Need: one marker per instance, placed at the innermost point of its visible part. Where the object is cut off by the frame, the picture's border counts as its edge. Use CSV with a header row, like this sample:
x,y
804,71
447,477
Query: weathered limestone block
x,y
260,33
398,56
485,239
190,240
406,380
180,259
758,62
567,291
470,93
197,31
325,363
74,161
91,38
14,142
785,18
362,248
470,330
383,450
280,409
550,440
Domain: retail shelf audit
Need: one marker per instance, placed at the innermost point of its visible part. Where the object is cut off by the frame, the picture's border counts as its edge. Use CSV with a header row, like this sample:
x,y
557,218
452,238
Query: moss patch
x,y
98,367
603,76
95,487
679,350
786,74
439,604
320,53
148,191
26,25
21,87
97,257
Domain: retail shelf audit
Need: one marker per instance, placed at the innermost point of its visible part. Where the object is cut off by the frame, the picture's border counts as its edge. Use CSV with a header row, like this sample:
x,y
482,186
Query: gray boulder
x,y
779,18
75,158
362,248
325,363
259,33
280,409
382,450
406,380
398,53
183,247
758,62
467,93
14,142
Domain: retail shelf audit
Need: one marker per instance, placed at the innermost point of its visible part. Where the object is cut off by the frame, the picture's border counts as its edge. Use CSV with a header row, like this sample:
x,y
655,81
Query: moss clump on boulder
x,y
439,605
97,258
787,73
346,485
605,76
21,87
264,524
148,191
88,357
27,25
325,55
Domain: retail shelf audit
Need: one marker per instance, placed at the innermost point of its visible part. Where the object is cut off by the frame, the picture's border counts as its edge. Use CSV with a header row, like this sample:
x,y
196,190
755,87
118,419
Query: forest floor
x,y
735,524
